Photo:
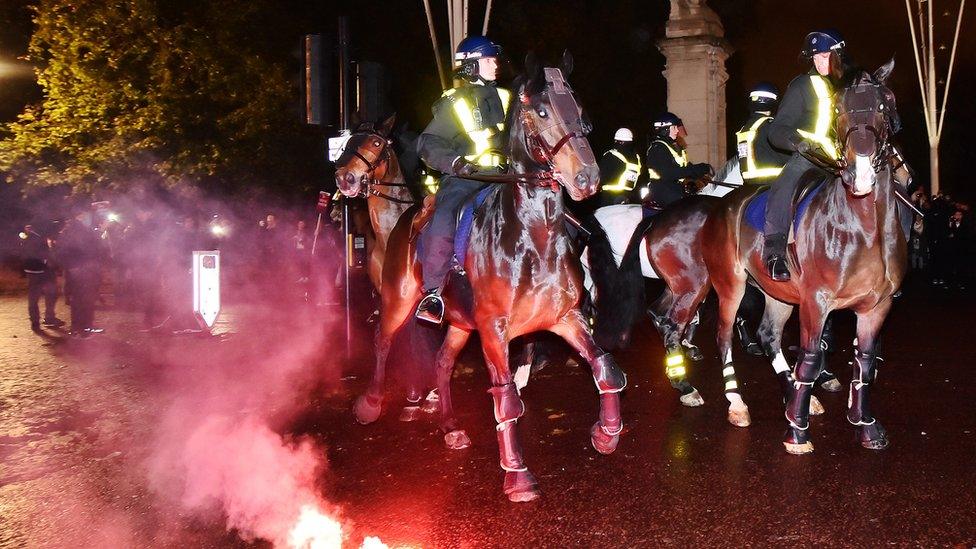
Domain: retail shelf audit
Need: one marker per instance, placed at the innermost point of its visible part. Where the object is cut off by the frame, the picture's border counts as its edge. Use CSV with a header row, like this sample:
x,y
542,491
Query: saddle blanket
x,y
756,209
466,223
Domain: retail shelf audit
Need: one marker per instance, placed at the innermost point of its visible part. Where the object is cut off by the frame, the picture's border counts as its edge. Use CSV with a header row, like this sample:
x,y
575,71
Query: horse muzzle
x,y
585,184
347,182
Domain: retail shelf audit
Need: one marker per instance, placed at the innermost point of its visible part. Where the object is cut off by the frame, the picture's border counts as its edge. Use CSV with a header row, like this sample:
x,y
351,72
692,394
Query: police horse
x,y
621,228
849,252
519,273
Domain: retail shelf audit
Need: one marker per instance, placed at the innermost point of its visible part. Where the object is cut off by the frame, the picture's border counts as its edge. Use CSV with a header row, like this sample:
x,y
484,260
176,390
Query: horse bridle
x,y
882,136
368,180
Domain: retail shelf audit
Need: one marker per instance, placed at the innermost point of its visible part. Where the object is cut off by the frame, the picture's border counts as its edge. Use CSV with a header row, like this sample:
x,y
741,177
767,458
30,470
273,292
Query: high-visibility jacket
x,y
806,113
470,123
681,159
666,167
757,158
619,177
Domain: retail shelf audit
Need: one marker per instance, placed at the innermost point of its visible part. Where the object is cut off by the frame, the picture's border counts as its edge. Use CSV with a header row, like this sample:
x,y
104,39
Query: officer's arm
x,y
659,158
435,144
782,130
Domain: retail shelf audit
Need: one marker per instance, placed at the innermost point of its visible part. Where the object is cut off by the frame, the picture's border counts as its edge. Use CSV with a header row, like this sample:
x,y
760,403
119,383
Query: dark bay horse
x,y
521,276
849,253
369,168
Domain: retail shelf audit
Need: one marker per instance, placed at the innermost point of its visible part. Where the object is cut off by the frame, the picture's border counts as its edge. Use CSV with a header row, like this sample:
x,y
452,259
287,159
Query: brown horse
x,y
369,168
521,276
849,253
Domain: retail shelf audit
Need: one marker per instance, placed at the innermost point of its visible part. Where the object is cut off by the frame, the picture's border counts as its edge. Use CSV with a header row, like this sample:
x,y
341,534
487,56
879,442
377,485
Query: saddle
x,y
755,214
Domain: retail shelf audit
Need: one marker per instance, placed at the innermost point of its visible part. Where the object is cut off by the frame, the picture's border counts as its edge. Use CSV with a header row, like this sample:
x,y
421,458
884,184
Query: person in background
x,y
80,252
42,279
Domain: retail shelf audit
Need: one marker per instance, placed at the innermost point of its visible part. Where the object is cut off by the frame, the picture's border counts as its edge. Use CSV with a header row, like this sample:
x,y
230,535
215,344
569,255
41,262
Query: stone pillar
x,y
695,70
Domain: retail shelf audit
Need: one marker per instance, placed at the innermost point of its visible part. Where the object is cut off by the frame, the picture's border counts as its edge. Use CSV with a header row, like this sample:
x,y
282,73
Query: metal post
x,y
344,124
484,28
433,43
315,237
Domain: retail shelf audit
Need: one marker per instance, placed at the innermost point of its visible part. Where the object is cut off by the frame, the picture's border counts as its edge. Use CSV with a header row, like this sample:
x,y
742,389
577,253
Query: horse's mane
x,y
727,168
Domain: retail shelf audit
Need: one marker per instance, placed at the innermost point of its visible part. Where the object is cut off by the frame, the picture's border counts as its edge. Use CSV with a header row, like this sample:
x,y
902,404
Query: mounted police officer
x,y
803,125
759,162
620,168
467,136
667,161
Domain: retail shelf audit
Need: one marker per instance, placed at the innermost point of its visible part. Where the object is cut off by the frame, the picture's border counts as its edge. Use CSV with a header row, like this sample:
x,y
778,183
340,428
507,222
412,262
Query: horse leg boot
x,y
519,484
610,380
692,350
871,434
798,408
738,411
748,342
827,380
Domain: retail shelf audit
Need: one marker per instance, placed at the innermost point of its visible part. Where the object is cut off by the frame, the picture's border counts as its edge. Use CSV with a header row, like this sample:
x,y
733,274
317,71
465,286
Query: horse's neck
x,y
874,216
535,214
383,213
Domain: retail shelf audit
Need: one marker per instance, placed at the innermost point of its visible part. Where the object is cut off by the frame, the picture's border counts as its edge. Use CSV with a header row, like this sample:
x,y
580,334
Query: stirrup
x,y
431,308
778,269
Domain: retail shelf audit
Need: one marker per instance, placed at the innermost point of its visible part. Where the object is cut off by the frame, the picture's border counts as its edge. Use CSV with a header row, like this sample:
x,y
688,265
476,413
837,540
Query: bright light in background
x,y
9,69
218,230
112,216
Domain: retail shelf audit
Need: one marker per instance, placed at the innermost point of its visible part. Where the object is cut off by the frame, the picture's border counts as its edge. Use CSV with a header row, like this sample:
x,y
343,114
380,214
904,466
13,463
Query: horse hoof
x,y
832,385
816,408
798,449
877,444
520,486
692,399
754,349
694,353
410,413
367,409
602,442
740,417
457,440
432,403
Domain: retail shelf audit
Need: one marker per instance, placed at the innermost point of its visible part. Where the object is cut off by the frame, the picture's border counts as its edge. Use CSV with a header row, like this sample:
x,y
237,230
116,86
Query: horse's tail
x,y
619,290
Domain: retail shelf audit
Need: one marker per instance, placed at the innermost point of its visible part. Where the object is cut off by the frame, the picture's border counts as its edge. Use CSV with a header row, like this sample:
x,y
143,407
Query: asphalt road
x,y
81,425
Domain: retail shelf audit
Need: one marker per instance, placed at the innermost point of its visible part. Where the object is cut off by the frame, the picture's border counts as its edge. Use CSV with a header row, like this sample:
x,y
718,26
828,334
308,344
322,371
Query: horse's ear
x,y
387,126
884,71
567,65
532,66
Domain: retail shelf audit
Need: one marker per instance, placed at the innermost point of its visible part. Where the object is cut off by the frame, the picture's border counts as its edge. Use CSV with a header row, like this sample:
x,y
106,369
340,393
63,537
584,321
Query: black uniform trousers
x,y
41,285
84,284
438,237
779,209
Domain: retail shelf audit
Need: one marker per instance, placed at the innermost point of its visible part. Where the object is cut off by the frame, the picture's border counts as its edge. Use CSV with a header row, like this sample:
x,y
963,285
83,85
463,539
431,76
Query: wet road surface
x,y
75,418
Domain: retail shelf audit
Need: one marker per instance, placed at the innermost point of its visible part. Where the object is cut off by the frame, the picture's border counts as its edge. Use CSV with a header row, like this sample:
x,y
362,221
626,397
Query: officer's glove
x,y
462,167
701,170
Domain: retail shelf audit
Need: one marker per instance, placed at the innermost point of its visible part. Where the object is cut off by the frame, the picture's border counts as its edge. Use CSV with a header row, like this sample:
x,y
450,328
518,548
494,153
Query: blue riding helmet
x,y
822,41
469,51
664,121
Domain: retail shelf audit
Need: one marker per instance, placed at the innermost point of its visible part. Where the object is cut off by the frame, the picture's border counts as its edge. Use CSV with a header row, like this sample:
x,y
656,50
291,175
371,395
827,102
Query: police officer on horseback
x,y
467,136
667,161
620,168
804,125
759,162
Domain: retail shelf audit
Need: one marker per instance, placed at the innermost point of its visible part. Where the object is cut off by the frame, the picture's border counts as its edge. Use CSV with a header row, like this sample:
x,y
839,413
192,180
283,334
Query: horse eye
x,y
543,113
376,143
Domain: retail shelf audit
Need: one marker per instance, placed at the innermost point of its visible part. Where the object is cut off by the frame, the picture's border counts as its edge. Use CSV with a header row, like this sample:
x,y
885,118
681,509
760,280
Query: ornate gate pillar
x,y
695,70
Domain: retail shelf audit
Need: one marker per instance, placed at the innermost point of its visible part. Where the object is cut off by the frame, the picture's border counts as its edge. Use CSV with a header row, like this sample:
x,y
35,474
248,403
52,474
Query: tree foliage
x,y
137,89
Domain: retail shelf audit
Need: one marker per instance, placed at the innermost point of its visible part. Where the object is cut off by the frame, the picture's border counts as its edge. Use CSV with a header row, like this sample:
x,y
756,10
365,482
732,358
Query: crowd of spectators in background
x,y
145,257
941,246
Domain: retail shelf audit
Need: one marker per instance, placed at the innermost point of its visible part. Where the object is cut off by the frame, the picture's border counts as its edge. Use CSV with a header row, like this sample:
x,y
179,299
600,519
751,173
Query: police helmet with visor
x,y
469,51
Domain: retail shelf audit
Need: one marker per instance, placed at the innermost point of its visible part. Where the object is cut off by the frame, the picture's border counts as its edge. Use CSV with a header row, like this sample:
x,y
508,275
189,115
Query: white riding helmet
x,y
624,135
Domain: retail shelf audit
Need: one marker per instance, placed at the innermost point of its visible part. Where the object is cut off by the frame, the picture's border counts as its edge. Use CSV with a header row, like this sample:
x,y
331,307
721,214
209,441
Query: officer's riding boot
x,y
774,256
431,307
749,344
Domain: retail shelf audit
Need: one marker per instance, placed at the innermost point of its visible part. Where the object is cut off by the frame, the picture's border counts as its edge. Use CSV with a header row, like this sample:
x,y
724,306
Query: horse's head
x,y
866,119
366,157
553,129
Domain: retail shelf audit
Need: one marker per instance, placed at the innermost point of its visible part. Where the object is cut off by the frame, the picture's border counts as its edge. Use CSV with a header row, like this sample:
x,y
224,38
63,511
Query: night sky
x,y
618,67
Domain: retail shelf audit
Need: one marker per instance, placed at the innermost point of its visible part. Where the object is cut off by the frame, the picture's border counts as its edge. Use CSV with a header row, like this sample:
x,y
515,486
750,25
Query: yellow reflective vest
x,y
628,177
480,135
746,140
681,159
820,133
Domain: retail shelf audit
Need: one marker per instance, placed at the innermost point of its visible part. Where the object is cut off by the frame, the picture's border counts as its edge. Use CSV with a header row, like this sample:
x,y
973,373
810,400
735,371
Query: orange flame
x,y
315,530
